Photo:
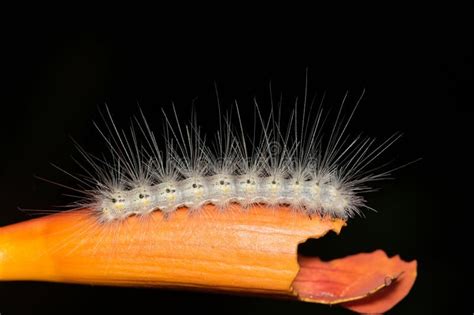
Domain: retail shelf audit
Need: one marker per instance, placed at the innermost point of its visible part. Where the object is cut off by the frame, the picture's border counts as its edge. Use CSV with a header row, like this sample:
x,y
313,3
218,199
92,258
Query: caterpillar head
x,y
113,206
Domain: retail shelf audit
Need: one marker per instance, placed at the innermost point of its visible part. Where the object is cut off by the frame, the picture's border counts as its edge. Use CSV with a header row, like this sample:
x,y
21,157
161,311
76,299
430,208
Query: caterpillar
x,y
292,161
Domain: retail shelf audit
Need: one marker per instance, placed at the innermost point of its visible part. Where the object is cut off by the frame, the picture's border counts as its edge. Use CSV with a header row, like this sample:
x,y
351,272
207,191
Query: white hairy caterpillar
x,y
293,162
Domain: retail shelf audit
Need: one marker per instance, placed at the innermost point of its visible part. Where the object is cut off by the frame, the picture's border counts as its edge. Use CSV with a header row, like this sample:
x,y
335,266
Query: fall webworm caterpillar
x,y
304,161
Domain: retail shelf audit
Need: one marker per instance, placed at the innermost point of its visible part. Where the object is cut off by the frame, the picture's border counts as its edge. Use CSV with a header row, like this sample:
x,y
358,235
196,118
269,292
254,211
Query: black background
x,y
415,64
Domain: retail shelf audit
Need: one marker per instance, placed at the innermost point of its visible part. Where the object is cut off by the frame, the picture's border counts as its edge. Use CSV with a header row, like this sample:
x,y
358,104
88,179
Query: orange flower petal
x,y
365,283
253,250
241,251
